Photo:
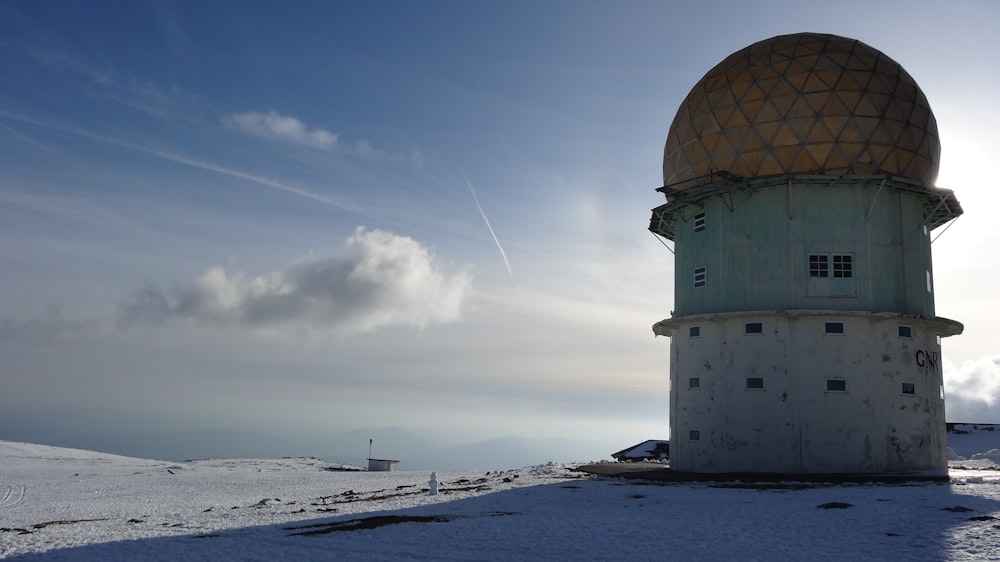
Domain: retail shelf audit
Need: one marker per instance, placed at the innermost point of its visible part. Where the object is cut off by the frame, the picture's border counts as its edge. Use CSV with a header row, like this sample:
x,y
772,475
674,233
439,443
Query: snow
x,y
966,440
66,504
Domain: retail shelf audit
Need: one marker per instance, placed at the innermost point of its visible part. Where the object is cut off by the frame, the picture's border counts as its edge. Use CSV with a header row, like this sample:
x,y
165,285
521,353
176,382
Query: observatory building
x,y
799,180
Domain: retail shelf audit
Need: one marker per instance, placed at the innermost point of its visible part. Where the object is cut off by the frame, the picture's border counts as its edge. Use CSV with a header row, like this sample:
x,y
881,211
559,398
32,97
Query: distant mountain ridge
x,y
414,451
419,453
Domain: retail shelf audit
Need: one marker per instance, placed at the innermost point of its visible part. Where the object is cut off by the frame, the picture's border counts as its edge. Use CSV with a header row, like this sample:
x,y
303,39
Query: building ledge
x,y
945,326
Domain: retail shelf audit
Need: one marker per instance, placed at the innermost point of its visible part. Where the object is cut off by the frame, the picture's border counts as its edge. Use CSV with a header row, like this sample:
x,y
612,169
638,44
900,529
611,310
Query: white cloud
x,y
276,126
972,391
383,280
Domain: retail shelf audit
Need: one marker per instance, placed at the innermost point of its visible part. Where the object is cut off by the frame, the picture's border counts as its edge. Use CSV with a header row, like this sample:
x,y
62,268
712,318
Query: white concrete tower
x,y
799,175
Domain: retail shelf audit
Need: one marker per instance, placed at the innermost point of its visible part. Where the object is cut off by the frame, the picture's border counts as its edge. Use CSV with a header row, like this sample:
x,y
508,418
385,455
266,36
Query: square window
x,y
835,327
843,265
754,327
831,265
694,382
819,265
836,385
699,222
755,383
700,276
694,435
905,332
694,331
909,388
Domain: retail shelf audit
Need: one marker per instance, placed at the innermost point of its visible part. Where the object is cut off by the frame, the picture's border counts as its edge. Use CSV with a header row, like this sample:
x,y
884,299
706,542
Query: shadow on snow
x,y
611,518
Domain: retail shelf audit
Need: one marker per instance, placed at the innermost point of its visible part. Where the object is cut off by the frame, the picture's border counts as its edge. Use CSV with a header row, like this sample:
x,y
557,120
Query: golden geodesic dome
x,y
806,103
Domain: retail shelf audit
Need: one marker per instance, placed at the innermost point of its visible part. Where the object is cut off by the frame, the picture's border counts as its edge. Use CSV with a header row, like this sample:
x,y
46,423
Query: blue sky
x,y
310,218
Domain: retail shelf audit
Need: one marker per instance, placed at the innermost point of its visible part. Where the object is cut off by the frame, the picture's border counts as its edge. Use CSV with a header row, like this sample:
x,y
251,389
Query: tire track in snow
x,y
12,495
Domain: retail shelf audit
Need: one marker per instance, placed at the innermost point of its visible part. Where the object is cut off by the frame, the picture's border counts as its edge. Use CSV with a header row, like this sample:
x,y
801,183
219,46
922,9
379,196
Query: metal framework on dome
x,y
806,103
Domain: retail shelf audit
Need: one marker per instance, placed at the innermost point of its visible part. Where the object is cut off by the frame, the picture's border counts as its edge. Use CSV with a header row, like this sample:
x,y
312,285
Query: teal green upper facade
x,y
858,243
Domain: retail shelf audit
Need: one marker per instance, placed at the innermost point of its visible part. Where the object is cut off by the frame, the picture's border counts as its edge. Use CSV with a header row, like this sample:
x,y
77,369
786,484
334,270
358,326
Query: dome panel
x,y
800,108
804,103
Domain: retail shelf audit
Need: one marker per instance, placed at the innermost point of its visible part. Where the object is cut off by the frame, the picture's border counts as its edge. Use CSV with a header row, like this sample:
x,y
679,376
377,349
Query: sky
x,y
306,219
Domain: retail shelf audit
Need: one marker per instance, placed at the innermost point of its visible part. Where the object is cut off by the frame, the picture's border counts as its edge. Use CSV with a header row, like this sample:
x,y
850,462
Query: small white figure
x,y
433,484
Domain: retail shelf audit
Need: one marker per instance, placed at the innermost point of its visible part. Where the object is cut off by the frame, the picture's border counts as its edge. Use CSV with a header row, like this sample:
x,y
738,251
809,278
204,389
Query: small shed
x,y
382,465
654,449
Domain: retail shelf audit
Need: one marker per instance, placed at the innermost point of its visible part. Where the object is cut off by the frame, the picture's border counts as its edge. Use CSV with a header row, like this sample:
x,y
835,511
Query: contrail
x,y
206,166
24,136
503,254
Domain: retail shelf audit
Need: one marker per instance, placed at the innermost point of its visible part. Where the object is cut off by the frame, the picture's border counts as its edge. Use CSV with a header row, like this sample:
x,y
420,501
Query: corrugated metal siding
x,y
756,253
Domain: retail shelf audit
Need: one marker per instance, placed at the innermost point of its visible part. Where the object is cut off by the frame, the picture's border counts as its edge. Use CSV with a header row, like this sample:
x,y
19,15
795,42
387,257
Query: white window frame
x,y
834,270
827,265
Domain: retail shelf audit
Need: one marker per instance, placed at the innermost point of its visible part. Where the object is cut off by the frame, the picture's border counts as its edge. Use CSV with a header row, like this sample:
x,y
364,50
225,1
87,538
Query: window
x,y
843,265
835,327
694,382
755,383
754,328
929,289
699,222
699,276
909,388
836,385
905,332
831,275
694,435
818,266
694,331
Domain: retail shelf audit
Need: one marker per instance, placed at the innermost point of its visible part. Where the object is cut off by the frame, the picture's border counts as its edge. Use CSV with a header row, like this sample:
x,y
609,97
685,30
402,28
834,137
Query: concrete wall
x,y
794,424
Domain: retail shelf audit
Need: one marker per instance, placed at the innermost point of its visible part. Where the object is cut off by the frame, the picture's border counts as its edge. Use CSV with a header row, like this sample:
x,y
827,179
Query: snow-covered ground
x,y
67,504
974,446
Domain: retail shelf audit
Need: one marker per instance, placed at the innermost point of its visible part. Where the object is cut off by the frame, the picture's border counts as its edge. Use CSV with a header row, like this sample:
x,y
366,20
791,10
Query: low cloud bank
x,y
972,391
381,280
